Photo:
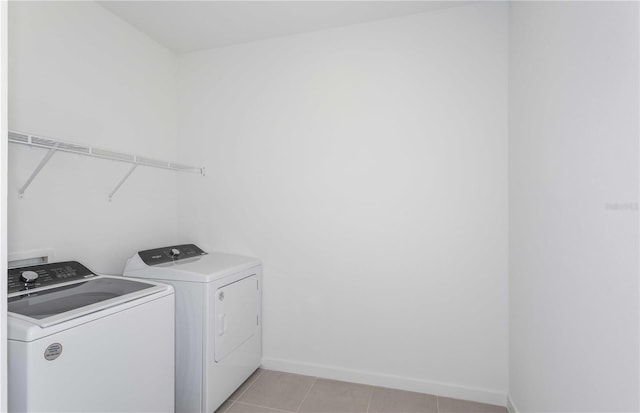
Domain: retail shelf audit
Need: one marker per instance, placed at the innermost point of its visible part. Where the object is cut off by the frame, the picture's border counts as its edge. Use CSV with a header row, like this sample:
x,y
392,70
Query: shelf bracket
x,y
36,171
133,168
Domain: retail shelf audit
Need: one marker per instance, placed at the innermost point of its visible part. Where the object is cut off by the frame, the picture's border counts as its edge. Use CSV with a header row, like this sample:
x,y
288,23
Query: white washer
x,y
218,319
81,342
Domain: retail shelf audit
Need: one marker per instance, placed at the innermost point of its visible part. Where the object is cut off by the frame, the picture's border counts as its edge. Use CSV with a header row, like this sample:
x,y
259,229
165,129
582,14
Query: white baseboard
x,y
510,405
385,380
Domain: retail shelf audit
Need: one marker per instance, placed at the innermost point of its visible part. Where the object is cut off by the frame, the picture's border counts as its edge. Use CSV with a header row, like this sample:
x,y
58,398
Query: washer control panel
x,y
170,254
35,276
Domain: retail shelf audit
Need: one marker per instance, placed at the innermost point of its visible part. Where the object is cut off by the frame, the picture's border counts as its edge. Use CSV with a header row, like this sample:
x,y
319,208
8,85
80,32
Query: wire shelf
x,y
54,145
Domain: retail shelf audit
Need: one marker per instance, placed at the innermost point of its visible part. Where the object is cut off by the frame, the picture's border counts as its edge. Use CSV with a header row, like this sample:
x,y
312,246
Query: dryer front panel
x,y
236,315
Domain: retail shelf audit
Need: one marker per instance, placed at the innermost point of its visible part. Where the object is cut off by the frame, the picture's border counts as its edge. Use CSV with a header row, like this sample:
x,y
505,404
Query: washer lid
x,y
205,268
46,307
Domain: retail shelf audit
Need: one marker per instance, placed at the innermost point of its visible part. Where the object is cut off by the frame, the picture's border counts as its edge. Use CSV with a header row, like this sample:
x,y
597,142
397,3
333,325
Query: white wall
x,y
367,167
573,199
4,30
78,73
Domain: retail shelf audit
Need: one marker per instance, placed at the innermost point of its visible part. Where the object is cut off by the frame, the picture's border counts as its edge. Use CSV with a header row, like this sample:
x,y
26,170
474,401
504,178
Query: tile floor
x,y
268,391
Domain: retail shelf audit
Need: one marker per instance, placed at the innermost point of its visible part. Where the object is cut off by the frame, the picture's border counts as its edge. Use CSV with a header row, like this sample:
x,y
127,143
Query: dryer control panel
x,y
35,276
170,254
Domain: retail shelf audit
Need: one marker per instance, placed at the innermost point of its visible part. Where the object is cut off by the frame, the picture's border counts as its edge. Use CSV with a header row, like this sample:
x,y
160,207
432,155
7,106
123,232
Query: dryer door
x,y
236,312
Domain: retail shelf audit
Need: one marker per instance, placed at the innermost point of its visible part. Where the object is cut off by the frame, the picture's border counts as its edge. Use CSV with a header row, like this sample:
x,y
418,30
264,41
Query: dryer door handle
x,y
222,324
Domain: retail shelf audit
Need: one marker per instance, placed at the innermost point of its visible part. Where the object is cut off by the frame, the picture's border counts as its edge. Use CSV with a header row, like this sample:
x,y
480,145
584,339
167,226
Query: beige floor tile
x,y
247,383
278,390
224,407
239,407
329,396
400,401
447,405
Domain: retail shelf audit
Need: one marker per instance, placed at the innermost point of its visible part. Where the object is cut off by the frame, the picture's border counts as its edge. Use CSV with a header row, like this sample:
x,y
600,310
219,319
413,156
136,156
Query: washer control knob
x,y
174,252
29,276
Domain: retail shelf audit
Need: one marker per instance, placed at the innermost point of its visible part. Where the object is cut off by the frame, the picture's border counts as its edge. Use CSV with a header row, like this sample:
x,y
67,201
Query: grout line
x,y
437,404
373,389
315,380
250,385
265,407
228,407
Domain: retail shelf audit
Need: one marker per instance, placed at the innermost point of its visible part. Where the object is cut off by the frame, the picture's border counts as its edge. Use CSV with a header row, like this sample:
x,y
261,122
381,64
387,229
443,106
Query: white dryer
x,y
82,342
218,319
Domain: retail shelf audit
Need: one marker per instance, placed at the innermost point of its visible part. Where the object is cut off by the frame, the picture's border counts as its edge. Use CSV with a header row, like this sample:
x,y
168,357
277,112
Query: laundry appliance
x,y
218,319
83,342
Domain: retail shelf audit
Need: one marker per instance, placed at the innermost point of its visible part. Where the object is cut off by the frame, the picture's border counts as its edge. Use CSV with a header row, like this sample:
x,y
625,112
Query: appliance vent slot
x,y
27,262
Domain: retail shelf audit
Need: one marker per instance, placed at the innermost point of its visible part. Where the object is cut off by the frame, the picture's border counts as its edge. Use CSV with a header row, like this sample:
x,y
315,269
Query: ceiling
x,y
186,26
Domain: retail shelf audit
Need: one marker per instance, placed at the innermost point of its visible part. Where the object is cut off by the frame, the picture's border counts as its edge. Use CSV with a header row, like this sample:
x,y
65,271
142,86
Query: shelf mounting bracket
x,y
36,171
133,168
